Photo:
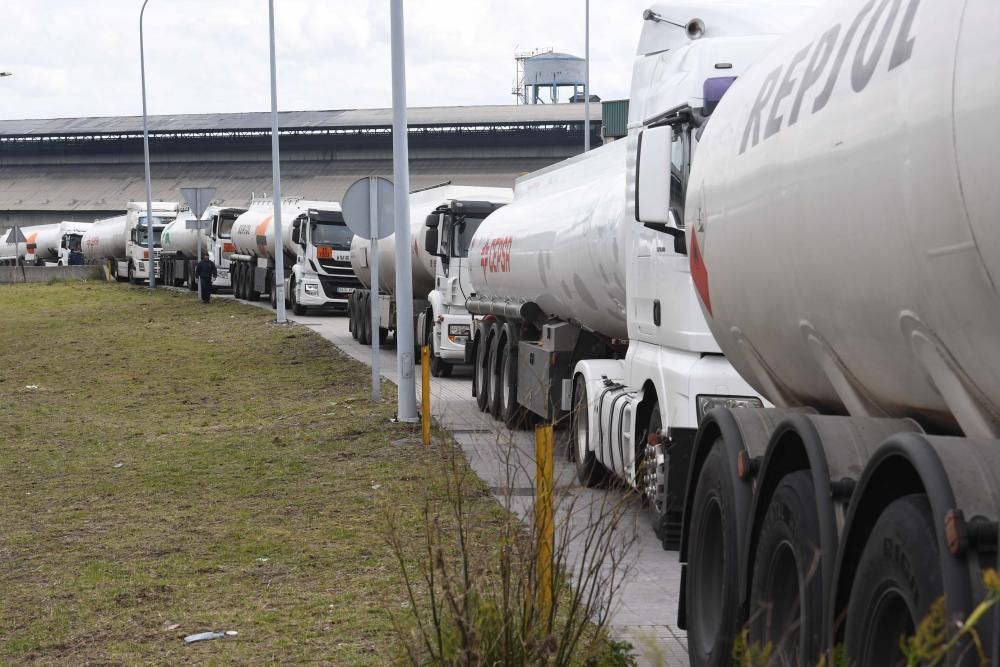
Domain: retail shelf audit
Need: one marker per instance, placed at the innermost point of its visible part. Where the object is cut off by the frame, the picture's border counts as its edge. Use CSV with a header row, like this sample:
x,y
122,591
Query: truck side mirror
x,y
431,240
296,231
652,178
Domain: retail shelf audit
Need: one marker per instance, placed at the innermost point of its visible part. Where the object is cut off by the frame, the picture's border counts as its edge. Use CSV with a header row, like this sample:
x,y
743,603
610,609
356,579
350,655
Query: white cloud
x,y
80,57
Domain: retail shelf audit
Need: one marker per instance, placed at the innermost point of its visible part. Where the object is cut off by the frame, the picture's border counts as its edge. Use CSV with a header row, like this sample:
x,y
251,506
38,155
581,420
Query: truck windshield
x,y
333,234
461,236
226,227
142,238
72,241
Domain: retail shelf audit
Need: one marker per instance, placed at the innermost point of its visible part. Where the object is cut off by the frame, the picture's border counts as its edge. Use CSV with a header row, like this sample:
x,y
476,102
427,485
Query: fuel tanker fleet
x,y
771,310
810,191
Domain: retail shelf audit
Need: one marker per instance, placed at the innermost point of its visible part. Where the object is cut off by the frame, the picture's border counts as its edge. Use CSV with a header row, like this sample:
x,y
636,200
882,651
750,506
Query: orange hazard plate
x,y
324,252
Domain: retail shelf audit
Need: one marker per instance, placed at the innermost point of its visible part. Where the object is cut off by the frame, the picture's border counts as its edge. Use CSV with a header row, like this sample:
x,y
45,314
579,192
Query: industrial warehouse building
x,y
88,168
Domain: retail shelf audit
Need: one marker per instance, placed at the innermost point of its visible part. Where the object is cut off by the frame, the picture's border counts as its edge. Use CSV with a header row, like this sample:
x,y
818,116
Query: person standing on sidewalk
x,y
205,271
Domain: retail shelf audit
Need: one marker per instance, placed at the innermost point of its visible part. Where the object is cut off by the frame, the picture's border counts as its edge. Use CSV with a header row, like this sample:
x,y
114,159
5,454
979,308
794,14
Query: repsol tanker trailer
x,y
830,223
315,244
123,241
181,246
443,220
59,244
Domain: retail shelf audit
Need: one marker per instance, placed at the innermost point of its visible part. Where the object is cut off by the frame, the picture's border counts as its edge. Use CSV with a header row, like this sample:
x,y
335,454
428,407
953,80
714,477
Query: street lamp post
x,y
279,260
145,149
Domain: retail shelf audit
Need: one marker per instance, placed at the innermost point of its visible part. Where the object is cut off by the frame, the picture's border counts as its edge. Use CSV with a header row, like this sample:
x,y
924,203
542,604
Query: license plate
x,y
324,252
345,290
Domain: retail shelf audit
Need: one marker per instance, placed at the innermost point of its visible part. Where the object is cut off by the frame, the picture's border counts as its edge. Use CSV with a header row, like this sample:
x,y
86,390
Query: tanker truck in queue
x,y
443,220
843,226
59,244
180,246
123,240
316,245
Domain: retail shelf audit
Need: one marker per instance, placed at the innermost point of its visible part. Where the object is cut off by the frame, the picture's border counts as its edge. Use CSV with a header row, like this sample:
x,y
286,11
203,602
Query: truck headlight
x,y
311,288
459,333
706,403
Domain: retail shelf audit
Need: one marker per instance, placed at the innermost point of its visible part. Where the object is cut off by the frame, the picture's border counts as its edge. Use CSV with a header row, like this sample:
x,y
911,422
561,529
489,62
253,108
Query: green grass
x,y
244,500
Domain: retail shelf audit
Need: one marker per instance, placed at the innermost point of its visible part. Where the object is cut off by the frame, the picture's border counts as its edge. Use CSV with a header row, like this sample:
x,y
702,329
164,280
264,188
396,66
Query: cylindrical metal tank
x,y
843,229
561,243
253,231
424,265
49,238
177,238
105,239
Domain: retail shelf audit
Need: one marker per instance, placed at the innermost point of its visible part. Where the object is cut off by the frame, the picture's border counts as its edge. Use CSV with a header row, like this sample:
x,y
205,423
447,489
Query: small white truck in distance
x,y
316,245
123,240
443,219
59,244
180,246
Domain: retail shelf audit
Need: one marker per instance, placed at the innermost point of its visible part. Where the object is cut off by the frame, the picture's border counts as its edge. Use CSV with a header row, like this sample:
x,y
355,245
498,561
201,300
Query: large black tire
x,y
131,275
252,294
493,372
786,597
666,525
711,595
897,579
365,330
297,308
272,296
482,369
511,411
241,282
352,312
589,471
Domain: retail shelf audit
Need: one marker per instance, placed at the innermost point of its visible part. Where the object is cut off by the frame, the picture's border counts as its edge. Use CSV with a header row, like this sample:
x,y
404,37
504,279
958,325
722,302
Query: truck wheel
x,y
897,579
252,294
493,362
512,413
786,598
712,554
131,275
238,278
589,471
352,315
365,328
482,369
273,296
666,524
439,367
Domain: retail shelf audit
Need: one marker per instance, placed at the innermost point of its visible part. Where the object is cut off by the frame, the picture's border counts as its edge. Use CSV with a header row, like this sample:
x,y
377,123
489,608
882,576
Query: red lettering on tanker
x,y
495,255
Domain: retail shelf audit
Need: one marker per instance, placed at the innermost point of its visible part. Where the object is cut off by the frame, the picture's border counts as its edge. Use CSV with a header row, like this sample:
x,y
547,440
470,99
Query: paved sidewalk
x,y
646,613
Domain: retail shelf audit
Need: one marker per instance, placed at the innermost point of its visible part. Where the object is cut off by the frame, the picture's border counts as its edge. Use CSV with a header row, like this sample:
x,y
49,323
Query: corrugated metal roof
x,y
103,187
302,120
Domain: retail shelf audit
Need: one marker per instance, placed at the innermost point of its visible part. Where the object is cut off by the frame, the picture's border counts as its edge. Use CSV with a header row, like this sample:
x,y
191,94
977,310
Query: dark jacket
x,y
205,269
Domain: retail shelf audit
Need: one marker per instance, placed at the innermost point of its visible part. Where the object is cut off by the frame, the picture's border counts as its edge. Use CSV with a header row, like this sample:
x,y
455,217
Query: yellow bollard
x,y
425,393
544,522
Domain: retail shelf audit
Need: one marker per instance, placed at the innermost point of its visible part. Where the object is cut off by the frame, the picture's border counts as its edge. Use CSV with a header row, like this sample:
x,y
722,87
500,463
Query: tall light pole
x,y
407,407
279,260
586,76
145,151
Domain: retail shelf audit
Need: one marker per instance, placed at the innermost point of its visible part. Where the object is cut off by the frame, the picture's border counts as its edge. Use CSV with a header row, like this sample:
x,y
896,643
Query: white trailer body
x,y
181,246
122,240
443,220
11,253
54,244
840,219
316,246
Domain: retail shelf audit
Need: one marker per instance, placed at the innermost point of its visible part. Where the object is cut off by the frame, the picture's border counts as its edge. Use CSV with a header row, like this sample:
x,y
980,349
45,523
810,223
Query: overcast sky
x,y
81,57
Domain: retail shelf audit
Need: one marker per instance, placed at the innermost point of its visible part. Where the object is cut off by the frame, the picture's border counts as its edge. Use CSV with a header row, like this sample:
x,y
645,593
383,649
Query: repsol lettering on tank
x,y
495,255
864,40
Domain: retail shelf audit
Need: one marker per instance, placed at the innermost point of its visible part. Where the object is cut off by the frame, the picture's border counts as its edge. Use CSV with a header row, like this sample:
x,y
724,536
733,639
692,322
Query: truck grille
x,y
335,286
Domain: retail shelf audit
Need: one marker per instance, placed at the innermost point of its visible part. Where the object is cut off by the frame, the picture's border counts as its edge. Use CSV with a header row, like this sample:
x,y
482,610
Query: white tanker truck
x,y
837,218
443,220
59,243
316,246
123,240
181,245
